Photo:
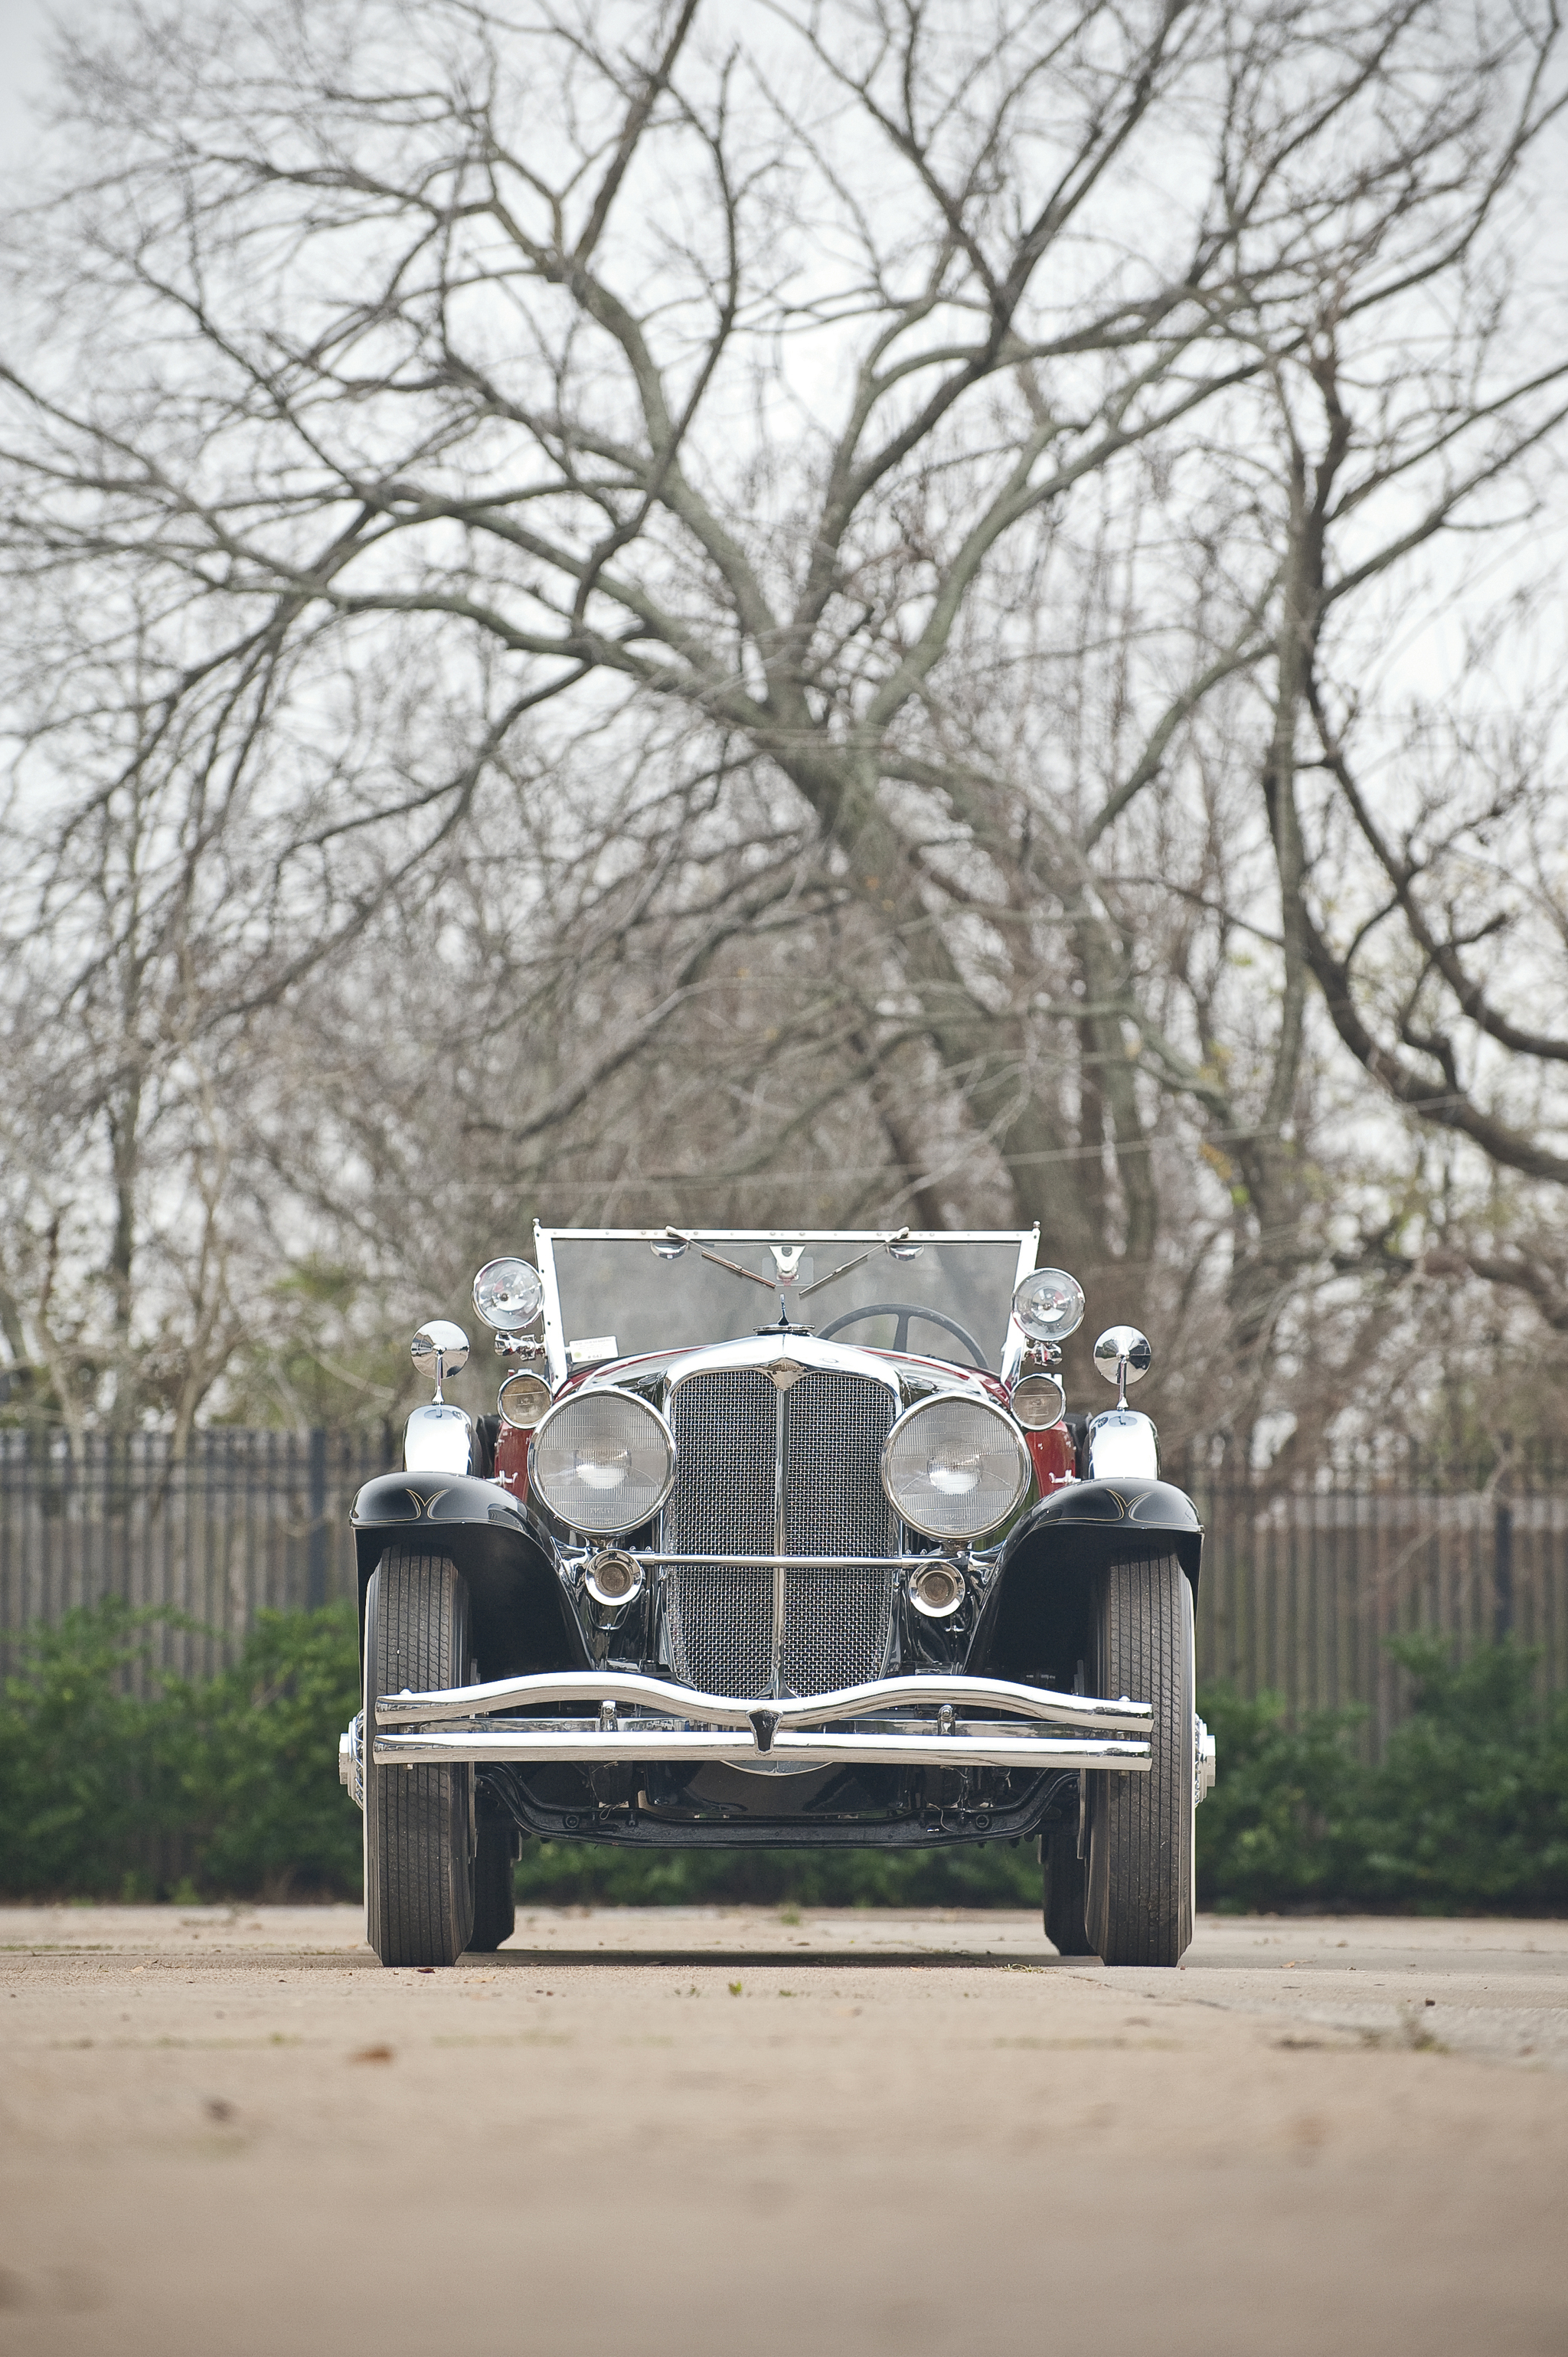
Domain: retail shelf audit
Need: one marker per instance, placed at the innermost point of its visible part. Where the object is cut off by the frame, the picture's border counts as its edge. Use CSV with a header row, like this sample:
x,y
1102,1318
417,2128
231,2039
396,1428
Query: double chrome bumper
x,y
617,1716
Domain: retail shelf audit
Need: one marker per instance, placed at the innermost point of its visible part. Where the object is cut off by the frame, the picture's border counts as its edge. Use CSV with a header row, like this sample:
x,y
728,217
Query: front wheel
x,y
419,1822
1065,1892
1139,1845
495,1895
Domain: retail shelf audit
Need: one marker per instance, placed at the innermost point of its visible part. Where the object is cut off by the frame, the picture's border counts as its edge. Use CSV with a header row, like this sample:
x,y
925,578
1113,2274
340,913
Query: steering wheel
x,y
903,1311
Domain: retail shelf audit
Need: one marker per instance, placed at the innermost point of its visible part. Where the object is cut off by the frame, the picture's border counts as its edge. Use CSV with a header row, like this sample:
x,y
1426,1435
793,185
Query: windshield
x,y
613,1293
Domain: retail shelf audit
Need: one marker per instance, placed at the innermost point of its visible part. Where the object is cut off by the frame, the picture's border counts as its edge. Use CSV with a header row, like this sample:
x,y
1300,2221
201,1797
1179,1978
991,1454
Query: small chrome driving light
x,y
1039,1401
954,1466
523,1401
509,1294
602,1461
612,1579
935,1589
1048,1305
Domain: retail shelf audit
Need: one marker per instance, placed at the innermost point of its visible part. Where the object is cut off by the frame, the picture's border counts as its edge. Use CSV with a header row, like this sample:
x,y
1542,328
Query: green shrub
x,y
253,1755
1468,1809
1278,1829
221,1787
83,1792
1469,1806
114,1783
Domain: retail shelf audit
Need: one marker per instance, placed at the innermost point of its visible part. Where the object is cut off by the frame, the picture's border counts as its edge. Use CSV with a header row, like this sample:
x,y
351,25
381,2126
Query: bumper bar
x,y
638,1718
592,1747
595,1688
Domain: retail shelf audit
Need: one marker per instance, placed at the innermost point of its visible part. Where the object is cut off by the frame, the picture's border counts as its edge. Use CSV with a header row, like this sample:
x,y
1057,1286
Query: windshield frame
x,y
856,1239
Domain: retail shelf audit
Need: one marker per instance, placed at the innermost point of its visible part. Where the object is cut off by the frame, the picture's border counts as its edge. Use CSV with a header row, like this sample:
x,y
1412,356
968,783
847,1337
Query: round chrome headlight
x,y
602,1461
509,1294
954,1467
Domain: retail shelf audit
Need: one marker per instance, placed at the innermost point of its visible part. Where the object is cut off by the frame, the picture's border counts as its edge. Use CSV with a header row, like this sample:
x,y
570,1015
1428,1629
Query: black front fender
x,y
520,1616
1037,1610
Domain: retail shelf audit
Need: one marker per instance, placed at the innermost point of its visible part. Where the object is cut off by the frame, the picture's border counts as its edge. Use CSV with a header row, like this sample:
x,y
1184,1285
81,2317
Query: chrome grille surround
x,y
780,1444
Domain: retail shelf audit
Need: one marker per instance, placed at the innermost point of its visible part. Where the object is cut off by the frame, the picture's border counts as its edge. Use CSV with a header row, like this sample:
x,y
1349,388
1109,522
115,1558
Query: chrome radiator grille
x,y
769,1472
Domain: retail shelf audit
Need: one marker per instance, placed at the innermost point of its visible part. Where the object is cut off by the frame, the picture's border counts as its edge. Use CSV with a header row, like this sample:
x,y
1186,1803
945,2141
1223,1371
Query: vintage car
x,y
832,1568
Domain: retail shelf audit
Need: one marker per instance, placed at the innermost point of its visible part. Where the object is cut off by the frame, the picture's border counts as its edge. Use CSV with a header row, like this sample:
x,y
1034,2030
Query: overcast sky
x,y
20,24
24,29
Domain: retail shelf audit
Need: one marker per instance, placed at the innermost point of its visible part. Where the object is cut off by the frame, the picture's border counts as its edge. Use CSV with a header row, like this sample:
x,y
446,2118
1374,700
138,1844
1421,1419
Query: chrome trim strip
x,y
1020,1236
805,1751
807,1561
595,1688
1018,1342
554,1333
780,1535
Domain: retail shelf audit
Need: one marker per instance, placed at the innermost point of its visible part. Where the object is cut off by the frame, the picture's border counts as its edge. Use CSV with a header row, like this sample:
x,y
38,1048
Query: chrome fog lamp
x,y
602,1461
935,1589
509,1294
523,1401
1048,1305
1039,1402
954,1467
611,1578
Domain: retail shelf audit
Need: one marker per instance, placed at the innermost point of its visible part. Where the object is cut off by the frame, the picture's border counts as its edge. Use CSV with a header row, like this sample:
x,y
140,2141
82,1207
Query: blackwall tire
x,y
494,1895
1140,1844
1065,1892
419,1882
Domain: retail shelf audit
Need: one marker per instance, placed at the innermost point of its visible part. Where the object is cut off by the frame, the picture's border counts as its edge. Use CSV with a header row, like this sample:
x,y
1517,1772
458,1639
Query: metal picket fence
x,y
1300,1586
244,1519
1303,1587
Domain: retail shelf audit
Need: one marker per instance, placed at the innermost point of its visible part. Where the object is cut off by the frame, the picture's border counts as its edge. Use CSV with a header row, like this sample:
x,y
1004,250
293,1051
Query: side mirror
x,y
439,1350
1123,1356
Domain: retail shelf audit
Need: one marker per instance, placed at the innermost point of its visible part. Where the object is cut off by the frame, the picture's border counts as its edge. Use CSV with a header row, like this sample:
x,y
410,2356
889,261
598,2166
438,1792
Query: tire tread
x,y
1140,1877
418,1885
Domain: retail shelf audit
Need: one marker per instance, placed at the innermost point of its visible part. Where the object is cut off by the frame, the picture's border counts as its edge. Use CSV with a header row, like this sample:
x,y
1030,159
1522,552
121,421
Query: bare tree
x,y
884,510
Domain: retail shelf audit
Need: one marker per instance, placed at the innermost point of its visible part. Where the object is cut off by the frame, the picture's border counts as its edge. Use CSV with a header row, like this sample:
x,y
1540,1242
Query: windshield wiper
x,y
719,1260
883,1244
